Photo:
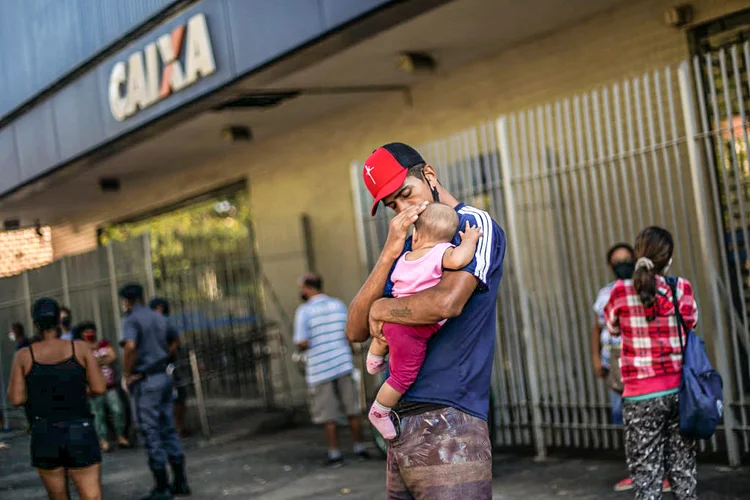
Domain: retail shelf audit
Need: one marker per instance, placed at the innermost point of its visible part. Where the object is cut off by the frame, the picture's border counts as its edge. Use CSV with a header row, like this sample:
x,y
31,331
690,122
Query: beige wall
x,y
307,170
71,238
24,249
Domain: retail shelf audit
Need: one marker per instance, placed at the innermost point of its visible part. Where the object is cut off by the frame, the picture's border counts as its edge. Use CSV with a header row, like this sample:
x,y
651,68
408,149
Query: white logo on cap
x,y
369,169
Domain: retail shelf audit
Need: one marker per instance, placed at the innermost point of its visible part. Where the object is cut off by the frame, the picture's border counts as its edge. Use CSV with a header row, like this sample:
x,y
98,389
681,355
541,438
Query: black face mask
x,y
66,323
624,270
303,297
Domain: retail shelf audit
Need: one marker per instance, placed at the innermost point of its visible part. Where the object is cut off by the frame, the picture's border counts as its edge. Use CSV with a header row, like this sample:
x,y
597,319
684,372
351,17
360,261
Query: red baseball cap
x,y
386,168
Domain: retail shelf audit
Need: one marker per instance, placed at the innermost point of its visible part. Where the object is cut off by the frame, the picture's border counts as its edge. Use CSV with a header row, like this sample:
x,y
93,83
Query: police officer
x,y
179,378
145,340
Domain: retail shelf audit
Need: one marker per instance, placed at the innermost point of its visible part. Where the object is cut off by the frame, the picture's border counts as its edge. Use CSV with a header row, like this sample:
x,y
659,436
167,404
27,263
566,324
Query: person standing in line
x,y
642,312
66,322
110,401
319,331
443,450
179,379
606,348
17,335
50,377
145,342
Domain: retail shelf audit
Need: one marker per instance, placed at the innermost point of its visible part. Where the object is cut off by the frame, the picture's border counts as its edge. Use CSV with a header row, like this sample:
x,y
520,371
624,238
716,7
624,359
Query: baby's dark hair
x,y
439,222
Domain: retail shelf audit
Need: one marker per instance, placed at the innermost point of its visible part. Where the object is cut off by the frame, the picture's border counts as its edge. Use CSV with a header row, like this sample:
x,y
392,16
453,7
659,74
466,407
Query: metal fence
x,y
87,283
720,128
215,295
568,179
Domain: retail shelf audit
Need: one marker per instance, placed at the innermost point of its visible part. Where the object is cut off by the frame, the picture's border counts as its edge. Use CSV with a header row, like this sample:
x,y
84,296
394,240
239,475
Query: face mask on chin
x,y
624,270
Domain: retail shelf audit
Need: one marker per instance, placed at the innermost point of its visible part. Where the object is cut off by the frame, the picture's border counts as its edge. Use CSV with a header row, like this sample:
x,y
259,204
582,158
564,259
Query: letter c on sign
x,y
117,101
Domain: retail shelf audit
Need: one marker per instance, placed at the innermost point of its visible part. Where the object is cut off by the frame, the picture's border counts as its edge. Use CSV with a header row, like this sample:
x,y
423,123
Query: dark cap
x,y
132,292
386,169
46,311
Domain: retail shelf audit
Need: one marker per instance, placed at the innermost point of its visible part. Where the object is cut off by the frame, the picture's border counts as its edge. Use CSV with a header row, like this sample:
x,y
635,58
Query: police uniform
x,y
151,394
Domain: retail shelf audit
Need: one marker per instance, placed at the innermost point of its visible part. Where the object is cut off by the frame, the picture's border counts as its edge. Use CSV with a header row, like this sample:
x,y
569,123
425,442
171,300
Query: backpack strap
x,y
681,328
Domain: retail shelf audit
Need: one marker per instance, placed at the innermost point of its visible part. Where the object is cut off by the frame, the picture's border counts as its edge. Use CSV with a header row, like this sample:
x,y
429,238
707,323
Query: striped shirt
x,y
321,322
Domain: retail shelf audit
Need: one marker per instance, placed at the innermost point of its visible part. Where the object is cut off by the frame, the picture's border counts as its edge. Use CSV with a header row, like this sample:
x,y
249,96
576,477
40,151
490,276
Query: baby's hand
x,y
470,233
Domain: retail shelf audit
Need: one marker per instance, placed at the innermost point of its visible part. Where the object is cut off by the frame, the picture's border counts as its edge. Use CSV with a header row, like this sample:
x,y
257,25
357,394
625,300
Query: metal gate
x,y
214,289
87,283
568,180
202,258
722,84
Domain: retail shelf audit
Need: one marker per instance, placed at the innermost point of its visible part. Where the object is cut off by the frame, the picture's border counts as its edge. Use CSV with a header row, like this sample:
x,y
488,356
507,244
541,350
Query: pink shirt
x,y
412,276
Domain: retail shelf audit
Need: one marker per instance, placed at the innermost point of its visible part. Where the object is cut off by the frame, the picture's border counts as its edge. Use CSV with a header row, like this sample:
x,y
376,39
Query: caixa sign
x,y
174,61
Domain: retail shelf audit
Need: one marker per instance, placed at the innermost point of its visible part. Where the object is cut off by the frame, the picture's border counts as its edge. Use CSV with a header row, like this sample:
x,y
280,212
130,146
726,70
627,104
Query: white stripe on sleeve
x,y
484,248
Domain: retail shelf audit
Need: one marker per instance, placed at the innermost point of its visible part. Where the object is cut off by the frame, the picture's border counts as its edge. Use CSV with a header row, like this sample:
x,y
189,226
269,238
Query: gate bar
x,y
114,295
510,212
149,266
64,279
199,394
27,300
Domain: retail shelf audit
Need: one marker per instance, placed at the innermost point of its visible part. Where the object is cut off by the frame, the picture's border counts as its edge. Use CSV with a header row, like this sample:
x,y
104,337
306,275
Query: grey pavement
x,y
286,465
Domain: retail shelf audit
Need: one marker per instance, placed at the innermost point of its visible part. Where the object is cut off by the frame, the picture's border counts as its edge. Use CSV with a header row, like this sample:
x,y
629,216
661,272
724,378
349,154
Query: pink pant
x,y
407,346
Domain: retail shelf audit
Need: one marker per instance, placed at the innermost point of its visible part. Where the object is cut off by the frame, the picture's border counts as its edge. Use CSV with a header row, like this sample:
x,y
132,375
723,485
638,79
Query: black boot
x,y
161,491
180,485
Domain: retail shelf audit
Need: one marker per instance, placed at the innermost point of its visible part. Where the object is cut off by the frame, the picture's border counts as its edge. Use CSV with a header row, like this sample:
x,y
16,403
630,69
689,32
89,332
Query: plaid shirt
x,y
651,358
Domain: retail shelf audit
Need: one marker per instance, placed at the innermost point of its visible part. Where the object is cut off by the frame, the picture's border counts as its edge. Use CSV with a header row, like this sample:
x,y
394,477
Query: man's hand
x,y
128,380
398,229
470,233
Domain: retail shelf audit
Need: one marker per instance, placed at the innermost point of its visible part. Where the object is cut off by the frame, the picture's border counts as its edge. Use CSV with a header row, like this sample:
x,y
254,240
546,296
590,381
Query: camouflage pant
x,y
440,455
99,405
653,443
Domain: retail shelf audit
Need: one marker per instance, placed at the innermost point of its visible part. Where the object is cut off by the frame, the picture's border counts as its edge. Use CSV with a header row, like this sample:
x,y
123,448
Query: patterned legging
x,y
653,442
99,405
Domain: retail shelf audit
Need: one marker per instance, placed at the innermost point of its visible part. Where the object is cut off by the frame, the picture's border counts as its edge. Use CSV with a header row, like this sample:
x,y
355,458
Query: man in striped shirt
x,y
319,326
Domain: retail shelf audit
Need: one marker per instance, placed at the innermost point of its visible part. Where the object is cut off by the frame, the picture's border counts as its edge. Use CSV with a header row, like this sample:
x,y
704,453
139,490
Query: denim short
x,y
72,445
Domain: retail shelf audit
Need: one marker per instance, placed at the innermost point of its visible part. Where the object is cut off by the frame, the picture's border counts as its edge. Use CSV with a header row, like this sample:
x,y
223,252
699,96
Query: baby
x,y
417,270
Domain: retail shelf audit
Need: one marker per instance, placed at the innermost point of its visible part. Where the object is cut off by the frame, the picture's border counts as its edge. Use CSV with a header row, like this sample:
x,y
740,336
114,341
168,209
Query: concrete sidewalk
x,y
286,465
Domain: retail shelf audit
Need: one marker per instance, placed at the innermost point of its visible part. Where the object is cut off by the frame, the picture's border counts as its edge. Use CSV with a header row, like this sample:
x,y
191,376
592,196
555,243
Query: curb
x,y
269,422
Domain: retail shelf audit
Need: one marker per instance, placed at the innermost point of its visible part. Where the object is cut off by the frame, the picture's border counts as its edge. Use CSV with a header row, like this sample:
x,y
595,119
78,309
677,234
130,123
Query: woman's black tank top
x,y
57,392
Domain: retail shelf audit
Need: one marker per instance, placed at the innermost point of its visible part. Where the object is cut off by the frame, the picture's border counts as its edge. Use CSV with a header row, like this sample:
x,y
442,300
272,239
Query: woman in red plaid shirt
x,y
642,311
